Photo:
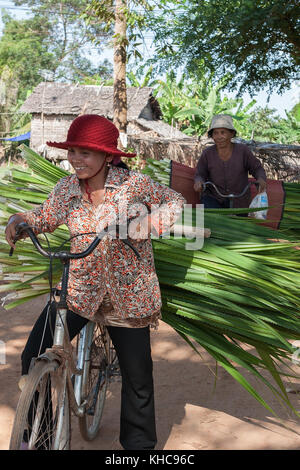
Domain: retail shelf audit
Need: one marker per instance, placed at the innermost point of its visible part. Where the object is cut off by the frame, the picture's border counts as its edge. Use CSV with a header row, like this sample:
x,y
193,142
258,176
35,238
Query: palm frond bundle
x,y
291,214
237,297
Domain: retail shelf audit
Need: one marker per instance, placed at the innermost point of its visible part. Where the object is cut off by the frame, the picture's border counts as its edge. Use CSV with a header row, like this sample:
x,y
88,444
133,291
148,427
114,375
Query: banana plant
x,y
190,104
146,81
263,126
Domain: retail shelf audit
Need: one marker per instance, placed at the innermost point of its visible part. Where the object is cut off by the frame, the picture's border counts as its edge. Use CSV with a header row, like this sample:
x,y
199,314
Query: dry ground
x,y
191,414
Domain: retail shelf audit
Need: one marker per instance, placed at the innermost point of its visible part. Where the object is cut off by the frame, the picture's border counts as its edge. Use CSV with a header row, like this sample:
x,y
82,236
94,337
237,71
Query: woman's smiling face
x,y
86,162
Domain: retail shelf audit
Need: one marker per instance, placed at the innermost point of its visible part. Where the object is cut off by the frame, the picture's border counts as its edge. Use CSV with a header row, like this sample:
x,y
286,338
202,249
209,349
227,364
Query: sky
x,y
280,103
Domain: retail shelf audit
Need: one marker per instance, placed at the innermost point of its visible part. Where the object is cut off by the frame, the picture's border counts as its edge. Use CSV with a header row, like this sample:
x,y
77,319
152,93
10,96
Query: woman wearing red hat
x,y
87,201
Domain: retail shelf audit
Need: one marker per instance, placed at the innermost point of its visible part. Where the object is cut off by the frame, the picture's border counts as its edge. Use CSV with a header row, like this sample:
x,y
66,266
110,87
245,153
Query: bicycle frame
x,y
62,308
85,339
61,350
63,353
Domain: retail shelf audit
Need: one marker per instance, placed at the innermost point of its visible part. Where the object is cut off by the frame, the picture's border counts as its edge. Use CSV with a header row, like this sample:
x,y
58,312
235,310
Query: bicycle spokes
x,y
44,428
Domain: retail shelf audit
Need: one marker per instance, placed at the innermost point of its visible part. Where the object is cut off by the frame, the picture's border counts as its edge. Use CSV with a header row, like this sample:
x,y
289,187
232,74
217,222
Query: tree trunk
x,y
120,95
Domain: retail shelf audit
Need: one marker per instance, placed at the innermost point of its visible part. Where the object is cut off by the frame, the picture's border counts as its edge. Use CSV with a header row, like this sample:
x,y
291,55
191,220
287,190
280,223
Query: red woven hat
x,y
93,132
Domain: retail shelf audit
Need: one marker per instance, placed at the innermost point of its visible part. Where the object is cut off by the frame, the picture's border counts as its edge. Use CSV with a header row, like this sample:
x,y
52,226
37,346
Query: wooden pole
x,y
120,95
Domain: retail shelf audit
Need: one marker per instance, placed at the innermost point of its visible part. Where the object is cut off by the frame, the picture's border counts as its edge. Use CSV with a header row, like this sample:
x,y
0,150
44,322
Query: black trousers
x,y
137,420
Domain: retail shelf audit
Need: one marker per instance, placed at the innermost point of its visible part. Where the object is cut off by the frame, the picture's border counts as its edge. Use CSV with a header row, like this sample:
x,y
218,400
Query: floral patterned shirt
x,y
112,267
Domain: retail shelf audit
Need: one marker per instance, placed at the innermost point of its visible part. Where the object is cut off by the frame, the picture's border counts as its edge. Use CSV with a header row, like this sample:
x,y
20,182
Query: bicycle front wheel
x,y
96,377
42,420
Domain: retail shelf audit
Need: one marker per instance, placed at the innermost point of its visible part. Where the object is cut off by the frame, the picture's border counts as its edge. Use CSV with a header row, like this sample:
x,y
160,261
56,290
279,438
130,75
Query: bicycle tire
x,y
99,361
42,420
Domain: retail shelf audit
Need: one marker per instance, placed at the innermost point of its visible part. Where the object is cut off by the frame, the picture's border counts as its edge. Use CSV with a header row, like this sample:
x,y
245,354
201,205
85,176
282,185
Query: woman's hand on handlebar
x,y
10,230
198,186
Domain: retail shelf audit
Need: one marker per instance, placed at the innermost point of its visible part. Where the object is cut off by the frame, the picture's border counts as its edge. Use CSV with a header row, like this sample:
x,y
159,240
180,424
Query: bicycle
x,y
57,383
230,196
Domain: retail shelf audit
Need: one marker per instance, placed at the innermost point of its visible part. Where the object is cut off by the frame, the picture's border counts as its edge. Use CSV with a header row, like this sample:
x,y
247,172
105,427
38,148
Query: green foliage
x,y
24,49
140,79
295,112
192,103
264,125
136,13
256,41
103,77
50,45
64,36
104,11
12,122
189,104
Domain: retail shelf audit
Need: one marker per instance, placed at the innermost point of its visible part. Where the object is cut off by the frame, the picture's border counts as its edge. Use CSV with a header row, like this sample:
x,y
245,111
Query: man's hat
x,y
221,120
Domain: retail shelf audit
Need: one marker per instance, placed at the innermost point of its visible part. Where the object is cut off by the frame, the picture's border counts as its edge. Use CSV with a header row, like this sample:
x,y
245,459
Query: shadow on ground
x,y
192,413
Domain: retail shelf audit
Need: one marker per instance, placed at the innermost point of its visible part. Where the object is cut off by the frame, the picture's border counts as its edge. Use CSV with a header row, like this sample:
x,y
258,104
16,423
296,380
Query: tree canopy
x,y
53,44
23,48
256,42
65,38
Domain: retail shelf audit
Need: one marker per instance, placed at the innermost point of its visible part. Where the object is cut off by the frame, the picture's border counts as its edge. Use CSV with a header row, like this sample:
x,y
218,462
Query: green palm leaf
x,y
240,291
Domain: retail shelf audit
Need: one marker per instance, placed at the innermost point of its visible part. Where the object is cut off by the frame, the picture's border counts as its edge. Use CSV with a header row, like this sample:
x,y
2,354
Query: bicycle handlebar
x,y
65,255
228,195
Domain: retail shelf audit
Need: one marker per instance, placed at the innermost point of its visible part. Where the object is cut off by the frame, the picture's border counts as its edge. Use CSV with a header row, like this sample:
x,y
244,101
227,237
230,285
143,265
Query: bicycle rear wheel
x,y
96,376
42,420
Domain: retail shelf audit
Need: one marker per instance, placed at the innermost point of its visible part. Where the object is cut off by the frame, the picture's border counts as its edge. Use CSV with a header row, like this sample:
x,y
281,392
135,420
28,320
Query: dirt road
x,y
191,413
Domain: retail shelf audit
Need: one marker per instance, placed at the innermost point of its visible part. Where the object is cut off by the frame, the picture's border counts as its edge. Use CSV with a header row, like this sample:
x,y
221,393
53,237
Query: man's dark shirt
x,y
229,176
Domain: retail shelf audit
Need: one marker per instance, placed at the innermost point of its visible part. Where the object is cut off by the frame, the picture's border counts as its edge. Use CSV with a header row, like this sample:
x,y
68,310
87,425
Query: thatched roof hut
x,y
66,99
54,105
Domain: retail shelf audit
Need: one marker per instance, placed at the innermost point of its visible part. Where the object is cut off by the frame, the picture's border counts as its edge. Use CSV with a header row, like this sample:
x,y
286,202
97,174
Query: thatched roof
x,y
155,128
62,98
